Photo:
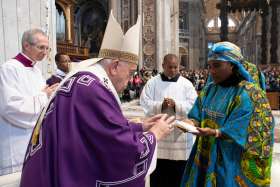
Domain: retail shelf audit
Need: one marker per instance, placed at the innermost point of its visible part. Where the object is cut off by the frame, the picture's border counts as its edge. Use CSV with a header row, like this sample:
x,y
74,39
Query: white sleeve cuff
x,y
153,163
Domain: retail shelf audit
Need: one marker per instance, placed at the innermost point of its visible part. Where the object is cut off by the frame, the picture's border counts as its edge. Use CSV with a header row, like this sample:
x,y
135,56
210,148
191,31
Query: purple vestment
x,y
85,141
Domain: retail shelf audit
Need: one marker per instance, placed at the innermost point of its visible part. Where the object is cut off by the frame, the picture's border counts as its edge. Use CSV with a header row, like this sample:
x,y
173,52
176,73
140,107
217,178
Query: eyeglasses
x,y
41,47
131,71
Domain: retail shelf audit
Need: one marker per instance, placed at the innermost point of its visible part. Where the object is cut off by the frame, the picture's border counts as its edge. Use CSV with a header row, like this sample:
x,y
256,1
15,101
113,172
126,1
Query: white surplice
x,y
21,101
177,145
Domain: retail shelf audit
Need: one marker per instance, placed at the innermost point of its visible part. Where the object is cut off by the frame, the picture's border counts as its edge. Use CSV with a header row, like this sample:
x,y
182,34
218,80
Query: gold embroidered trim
x,y
116,54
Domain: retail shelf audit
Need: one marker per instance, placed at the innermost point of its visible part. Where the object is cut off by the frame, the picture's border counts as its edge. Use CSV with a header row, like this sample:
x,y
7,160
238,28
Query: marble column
x,y
195,34
264,14
149,34
163,31
116,7
175,28
224,20
141,34
274,34
278,14
68,24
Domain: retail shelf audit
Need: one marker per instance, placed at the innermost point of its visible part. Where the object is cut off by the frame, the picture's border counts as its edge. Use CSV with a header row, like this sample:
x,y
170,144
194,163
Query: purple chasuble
x,y
26,62
85,141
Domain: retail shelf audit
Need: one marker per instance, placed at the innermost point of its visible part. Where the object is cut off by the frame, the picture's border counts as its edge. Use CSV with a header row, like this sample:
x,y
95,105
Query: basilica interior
x,y
187,28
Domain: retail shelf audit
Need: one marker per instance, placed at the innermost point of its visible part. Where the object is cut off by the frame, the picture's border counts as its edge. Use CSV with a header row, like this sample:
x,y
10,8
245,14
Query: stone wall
x,y
18,16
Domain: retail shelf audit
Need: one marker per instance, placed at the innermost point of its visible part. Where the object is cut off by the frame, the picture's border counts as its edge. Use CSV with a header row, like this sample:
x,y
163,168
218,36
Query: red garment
x,y
137,80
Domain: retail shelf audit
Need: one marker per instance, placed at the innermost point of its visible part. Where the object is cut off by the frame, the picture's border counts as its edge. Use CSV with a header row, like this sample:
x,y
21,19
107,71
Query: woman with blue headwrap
x,y
235,124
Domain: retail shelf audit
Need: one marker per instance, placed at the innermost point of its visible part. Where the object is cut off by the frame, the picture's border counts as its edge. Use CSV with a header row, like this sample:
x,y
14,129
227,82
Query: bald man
x,y
170,93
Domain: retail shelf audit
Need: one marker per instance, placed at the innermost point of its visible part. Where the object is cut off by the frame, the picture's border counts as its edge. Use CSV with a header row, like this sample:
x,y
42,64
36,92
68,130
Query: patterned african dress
x,y
242,156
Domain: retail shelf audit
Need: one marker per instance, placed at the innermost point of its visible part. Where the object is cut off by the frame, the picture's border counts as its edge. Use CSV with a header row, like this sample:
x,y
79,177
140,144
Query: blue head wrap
x,y
226,51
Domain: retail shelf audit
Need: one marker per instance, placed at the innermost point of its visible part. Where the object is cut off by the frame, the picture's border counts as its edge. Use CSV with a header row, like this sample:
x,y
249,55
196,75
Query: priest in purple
x,y
23,94
82,138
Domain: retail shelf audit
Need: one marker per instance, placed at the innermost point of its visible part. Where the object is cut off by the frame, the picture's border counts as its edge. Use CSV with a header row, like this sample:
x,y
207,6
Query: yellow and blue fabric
x,y
226,51
242,156
256,74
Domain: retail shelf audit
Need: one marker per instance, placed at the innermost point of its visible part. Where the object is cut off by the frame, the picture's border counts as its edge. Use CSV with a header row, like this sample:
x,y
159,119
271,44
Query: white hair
x,y
105,62
28,36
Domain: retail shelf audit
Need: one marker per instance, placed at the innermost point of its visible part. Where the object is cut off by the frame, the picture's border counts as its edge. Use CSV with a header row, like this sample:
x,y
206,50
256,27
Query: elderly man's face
x,y
124,72
171,67
38,50
220,71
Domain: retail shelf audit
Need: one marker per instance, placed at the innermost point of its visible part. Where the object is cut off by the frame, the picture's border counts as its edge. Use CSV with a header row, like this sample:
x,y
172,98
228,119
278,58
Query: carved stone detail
x,y
148,33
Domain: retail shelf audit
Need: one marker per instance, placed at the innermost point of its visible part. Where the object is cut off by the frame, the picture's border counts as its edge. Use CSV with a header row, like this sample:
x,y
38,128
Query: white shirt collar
x,y
60,73
99,71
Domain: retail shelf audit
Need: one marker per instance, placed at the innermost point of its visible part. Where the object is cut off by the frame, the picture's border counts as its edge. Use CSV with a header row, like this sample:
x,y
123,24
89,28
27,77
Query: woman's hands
x,y
208,132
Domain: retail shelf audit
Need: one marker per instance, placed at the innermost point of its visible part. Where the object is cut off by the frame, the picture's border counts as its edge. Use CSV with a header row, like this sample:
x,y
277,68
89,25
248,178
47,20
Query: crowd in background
x,y
272,77
197,77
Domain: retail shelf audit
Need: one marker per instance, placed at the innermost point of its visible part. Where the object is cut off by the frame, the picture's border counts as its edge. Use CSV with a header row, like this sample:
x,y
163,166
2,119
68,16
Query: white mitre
x,y
116,44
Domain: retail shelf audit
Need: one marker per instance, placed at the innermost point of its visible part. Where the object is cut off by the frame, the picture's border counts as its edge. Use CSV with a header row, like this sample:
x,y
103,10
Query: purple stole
x,y
26,62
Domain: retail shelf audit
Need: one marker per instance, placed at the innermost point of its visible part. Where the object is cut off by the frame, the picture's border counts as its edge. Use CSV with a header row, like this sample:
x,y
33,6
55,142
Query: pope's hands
x,y
163,126
151,121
